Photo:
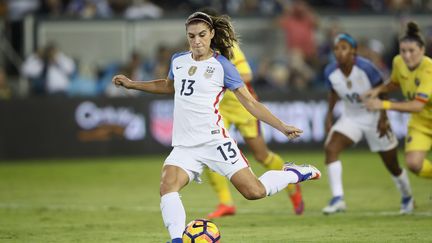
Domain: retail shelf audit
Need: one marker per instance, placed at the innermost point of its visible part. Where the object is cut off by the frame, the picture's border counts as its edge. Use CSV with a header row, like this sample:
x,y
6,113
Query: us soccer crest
x,y
349,84
209,72
192,70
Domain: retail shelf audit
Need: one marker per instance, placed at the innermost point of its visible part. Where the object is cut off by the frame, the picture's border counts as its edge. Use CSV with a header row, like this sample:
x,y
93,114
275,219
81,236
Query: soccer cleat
x,y
304,172
337,204
407,205
222,210
297,201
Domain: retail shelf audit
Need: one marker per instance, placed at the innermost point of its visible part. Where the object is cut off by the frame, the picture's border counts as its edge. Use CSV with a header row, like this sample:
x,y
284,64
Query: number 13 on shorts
x,y
228,153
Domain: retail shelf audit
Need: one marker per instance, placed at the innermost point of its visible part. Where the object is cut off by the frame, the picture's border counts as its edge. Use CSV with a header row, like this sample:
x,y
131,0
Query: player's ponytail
x,y
224,37
412,33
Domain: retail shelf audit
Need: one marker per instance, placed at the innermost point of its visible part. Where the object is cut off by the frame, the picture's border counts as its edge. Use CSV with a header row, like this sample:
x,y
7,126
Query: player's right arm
x,y
332,98
383,88
157,86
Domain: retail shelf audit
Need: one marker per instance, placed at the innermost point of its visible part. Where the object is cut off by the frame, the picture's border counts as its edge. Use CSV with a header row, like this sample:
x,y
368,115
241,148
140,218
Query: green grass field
x,y
117,200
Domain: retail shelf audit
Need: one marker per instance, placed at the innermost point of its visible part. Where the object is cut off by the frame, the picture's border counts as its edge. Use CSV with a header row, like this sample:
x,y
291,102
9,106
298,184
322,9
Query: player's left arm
x,y
261,112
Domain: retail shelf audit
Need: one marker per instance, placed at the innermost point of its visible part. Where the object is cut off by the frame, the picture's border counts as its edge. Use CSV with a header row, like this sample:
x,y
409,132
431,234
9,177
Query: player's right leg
x,y
179,168
173,213
335,144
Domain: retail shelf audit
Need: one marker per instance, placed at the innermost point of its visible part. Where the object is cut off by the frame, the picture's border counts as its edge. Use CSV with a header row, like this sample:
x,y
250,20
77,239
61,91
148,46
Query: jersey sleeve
x,y
240,62
424,90
171,73
232,79
371,71
329,69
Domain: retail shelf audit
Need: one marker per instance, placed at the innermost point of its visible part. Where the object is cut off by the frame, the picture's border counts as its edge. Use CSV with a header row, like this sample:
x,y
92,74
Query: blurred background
x,y
58,57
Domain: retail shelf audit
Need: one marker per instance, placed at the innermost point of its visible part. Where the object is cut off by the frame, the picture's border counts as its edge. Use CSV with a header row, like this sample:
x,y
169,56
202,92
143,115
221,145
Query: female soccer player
x,y
412,73
234,113
198,79
349,77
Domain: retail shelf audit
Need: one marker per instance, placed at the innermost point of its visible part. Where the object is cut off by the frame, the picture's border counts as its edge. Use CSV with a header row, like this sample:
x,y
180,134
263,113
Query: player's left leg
x,y
400,178
391,162
272,181
273,161
224,157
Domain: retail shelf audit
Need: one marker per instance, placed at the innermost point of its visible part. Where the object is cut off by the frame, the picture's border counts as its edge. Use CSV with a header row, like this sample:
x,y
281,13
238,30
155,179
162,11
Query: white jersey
x,y
363,77
199,87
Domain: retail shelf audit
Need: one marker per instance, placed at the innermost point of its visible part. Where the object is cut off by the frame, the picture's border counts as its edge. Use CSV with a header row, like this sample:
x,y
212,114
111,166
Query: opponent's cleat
x,y
304,172
222,210
297,201
407,205
337,204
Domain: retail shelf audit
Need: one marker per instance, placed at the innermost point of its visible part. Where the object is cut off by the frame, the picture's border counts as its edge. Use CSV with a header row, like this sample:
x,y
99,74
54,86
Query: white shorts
x,y
355,132
222,156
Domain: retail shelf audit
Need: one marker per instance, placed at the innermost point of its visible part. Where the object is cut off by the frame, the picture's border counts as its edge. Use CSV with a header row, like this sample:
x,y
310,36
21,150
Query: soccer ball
x,y
201,231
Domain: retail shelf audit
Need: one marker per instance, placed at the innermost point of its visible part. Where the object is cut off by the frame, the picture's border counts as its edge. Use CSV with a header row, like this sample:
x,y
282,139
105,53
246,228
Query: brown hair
x,y
225,35
412,33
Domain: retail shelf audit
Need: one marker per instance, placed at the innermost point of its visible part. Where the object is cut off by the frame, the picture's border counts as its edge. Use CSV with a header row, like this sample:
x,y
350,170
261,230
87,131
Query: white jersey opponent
x,y
363,77
199,87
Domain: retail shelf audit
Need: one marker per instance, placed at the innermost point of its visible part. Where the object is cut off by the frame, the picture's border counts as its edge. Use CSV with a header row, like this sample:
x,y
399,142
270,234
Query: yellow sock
x,y
426,170
221,187
275,162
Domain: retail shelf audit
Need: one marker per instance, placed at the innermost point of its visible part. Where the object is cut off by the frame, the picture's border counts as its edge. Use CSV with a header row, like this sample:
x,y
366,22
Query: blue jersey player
x,y
349,77
198,80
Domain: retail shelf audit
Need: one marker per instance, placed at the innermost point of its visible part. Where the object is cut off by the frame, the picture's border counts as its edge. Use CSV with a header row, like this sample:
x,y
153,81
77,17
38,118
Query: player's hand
x,y
373,104
291,131
121,80
384,128
370,94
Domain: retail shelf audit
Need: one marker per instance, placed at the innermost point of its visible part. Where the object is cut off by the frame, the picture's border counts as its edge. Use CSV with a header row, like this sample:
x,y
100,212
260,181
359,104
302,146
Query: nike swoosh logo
x,y
234,161
178,68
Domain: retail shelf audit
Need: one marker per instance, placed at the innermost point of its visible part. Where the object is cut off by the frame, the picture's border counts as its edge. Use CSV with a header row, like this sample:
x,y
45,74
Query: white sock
x,y
403,184
173,214
334,171
276,180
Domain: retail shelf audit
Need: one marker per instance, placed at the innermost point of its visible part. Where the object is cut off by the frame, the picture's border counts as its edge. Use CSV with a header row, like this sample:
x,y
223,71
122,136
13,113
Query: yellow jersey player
x,y
234,113
412,73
